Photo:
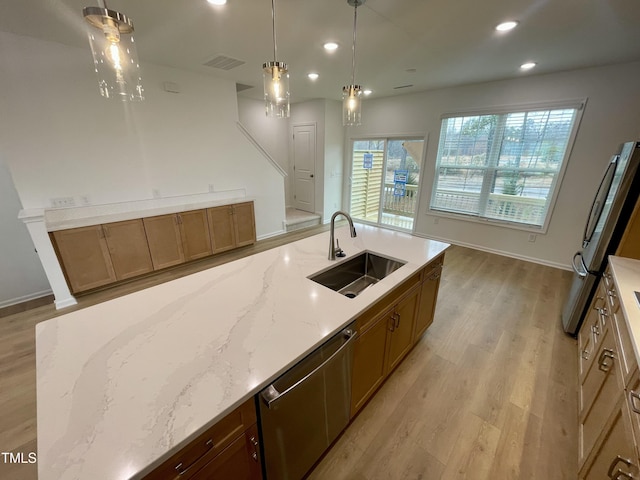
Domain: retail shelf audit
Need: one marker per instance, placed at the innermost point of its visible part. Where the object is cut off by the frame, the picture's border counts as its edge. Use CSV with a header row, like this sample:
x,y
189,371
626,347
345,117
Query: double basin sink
x,y
351,277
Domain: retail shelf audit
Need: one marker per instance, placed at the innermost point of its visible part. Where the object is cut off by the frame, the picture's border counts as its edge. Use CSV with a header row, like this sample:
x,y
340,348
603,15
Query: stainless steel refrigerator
x,y
608,217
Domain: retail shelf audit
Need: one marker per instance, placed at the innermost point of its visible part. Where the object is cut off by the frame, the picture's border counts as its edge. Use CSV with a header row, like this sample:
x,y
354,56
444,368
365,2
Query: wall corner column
x,y
35,223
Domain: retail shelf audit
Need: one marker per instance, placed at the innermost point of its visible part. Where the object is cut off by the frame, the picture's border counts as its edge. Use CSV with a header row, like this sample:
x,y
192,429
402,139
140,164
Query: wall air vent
x,y
223,62
403,86
241,87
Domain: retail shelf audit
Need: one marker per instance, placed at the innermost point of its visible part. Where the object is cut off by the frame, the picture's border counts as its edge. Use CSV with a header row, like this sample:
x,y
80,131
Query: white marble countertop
x,y
626,275
122,384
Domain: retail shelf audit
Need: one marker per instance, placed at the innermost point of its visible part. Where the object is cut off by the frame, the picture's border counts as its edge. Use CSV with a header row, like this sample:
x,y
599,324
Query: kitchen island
x,y
123,384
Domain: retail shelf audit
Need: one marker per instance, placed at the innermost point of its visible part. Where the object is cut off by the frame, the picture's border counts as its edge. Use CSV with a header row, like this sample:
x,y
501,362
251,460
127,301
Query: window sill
x,y
488,221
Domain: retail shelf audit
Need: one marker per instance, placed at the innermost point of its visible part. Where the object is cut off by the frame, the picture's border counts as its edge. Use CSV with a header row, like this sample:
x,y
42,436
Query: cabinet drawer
x,y
632,395
596,325
206,446
598,394
431,268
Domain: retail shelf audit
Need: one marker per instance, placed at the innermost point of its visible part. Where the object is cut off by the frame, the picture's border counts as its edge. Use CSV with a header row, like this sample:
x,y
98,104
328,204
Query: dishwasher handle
x,y
270,395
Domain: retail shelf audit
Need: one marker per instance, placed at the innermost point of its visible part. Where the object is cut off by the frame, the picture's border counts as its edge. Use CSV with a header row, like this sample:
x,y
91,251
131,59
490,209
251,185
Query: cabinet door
x,y
239,461
368,362
615,456
401,323
598,395
244,224
221,228
165,241
128,248
427,306
84,255
194,230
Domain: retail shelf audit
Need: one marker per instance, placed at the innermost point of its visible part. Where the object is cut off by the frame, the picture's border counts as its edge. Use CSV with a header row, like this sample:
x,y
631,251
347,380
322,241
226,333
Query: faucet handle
x,y
339,252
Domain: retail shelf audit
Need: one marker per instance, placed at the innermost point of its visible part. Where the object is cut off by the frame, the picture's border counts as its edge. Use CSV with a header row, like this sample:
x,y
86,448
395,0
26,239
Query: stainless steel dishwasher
x,y
304,411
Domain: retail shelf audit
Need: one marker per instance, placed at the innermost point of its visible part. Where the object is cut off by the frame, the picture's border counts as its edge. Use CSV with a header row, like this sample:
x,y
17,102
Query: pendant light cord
x,y
353,57
103,3
273,18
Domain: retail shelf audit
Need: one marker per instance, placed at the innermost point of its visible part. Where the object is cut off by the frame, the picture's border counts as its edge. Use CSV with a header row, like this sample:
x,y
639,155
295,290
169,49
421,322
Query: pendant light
x,y
115,58
351,94
275,77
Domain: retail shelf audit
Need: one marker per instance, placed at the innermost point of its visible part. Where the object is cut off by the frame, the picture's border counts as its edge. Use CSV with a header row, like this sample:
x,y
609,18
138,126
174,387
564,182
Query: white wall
x,y
61,139
333,158
21,275
612,116
271,133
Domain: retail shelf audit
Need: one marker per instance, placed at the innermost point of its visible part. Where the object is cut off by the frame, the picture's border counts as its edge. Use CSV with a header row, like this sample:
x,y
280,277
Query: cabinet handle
x,y
435,276
585,354
602,360
182,470
254,442
179,219
595,330
633,396
392,327
175,219
612,294
619,473
397,320
603,315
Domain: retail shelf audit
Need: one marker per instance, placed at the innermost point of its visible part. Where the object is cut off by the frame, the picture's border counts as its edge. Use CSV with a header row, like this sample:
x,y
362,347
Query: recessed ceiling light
x,y
506,26
528,65
217,2
367,92
330,46
313,76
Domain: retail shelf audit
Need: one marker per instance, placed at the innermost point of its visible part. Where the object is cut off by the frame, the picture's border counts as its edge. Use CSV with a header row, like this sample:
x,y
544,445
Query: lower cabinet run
x,y
609,397
98,255
228,450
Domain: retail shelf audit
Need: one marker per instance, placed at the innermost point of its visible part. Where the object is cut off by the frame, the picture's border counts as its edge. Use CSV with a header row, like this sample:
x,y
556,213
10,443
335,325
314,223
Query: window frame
x,y
577,104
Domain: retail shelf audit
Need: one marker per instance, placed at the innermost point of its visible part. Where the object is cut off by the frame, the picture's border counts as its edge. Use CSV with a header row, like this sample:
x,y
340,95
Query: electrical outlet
x,y
532,237
436,220
156,193
63,202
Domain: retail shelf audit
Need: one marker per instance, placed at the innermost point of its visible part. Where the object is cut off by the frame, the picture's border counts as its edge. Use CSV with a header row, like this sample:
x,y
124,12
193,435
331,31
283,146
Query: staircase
x,y
299,219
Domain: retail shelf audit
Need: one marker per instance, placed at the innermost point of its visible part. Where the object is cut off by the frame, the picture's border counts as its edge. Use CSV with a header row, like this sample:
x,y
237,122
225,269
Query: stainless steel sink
x,y
352,276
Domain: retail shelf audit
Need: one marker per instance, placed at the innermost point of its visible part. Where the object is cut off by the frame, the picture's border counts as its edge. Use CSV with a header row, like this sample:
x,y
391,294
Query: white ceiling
x,y
445,42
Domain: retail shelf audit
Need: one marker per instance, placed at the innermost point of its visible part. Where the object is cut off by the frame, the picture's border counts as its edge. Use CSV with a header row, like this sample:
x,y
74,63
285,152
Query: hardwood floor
x,y
490,392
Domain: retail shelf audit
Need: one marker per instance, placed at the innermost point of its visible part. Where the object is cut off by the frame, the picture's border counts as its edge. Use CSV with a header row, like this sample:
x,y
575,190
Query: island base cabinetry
x,y
389,329
230,449
609,406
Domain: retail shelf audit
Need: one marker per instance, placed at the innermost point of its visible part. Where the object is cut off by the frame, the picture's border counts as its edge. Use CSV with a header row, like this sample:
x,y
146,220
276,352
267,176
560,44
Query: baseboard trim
x,y
67,302
539,261
26,302
270,235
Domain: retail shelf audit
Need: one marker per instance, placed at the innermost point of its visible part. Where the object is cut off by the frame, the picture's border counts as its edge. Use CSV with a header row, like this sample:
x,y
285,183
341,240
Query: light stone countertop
x,y
626,276
123,384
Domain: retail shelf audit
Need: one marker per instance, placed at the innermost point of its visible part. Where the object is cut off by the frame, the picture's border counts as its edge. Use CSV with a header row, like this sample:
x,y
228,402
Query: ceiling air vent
x,y
403,86
224,63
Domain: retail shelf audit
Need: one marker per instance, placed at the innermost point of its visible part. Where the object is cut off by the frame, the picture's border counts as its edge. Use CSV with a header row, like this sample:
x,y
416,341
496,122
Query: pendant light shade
x,y
115,58
275,77
352,94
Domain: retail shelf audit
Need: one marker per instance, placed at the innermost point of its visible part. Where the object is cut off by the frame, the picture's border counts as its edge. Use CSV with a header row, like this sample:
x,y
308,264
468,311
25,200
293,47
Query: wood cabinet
x,y
165,241
84,254
609,379
428,296
228,449
194,232
98,255
232,226
388,330
128,248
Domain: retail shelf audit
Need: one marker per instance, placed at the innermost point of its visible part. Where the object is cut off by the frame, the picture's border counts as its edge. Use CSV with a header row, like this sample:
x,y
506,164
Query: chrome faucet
x,y
332,248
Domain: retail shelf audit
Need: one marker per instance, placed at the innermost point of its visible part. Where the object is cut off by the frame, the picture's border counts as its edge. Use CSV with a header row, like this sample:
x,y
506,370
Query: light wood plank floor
x,y
490,392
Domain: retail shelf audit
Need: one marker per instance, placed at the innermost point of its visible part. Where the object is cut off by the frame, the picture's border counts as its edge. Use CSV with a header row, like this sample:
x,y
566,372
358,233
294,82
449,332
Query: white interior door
x,y
304,165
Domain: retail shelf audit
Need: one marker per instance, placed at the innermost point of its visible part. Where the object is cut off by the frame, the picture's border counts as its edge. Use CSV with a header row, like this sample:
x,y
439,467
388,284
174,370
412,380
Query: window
x,y
503,167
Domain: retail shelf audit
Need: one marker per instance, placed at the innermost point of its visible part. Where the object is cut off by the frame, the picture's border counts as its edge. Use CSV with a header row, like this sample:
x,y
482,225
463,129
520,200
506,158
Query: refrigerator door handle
x,y
596,206
582,273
